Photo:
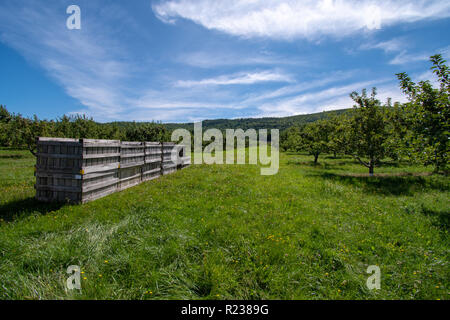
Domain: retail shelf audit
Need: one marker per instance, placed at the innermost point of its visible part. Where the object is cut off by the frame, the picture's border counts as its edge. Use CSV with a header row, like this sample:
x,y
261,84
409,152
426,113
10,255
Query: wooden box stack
x,y
82,170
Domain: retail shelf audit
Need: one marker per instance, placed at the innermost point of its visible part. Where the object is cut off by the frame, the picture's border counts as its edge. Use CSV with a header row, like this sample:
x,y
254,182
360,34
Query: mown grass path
x,y
226,232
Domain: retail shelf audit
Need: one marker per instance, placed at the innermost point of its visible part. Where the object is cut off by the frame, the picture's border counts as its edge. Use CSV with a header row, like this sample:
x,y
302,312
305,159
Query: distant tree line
x,y
17,131
268,123
372,131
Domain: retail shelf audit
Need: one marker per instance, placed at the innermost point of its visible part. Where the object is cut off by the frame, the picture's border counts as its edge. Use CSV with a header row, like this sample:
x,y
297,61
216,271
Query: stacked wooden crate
x,y
76,170
153,160
81,170
169,163
100,169
132,158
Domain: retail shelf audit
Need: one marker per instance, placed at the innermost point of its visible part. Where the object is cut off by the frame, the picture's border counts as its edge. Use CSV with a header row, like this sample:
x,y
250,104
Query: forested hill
x,y
254,123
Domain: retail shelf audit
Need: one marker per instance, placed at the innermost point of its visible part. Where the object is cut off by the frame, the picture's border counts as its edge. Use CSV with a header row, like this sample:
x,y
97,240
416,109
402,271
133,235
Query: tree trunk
x,y
436,163
371,165
316,157
34,153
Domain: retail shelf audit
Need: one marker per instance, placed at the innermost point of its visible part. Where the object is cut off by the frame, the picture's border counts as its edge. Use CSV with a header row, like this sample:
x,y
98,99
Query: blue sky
x,y
189,60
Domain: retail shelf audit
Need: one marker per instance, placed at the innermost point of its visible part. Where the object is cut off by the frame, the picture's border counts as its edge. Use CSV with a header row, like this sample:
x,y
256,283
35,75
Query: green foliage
x,y
290,139
19,132
397,129
315,138
147,132
367,132
427,115
5,116
337,138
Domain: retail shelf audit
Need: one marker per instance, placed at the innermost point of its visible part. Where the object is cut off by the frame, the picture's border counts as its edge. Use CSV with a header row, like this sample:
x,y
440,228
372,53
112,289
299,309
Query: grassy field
x,y
226,232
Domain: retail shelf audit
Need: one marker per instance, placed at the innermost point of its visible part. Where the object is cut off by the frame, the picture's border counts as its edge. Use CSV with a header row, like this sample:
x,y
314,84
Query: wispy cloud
x,y
393,45
404,58
213,59
89,66
241,78
400,48
332,98
291,19
304,86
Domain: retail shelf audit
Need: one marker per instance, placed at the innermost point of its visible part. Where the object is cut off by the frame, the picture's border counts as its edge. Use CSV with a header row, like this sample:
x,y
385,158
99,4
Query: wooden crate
x,y
151,171
130,176
153,152
76,170
58,187
153,160
132,154
82,170
59,155
100,155
168,165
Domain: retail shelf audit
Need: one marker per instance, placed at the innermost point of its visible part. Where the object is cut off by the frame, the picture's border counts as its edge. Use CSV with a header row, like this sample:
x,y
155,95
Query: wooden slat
x,y
91,176
100,156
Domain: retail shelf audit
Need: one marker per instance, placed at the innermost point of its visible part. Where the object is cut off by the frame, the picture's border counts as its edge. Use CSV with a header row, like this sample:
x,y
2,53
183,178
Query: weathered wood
x,y
82,170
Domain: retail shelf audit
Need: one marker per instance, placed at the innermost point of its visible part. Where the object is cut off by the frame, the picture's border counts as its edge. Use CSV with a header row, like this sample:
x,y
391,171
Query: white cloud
x,y
296,89
398,47
445,52
241,78
393,45
291,19
333,98
213,59
404,58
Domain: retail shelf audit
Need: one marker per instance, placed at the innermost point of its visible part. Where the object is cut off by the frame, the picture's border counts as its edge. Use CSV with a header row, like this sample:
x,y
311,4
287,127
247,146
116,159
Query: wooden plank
x,y
100,185
59,155
132,164
58,188
149,178
131,155
99,142
152,171
101,155
152,160
99,168
48,139
94,195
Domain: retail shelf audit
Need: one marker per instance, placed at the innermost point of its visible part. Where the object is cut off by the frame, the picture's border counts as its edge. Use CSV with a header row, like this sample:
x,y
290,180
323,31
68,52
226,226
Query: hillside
x,y
254,123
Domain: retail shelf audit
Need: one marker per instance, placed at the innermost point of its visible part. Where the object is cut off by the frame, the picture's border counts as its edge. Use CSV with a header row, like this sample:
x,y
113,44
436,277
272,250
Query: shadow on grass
x,y
441,218
22,208
344,161
338,157
11,156
319,164
388,184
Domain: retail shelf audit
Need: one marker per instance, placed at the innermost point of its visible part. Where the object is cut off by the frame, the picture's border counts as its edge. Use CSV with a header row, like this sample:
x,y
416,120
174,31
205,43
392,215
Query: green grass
x,y
226,232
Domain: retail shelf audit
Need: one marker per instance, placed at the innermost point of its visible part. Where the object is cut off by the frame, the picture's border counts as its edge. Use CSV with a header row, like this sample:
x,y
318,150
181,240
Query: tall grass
x,y
226,232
